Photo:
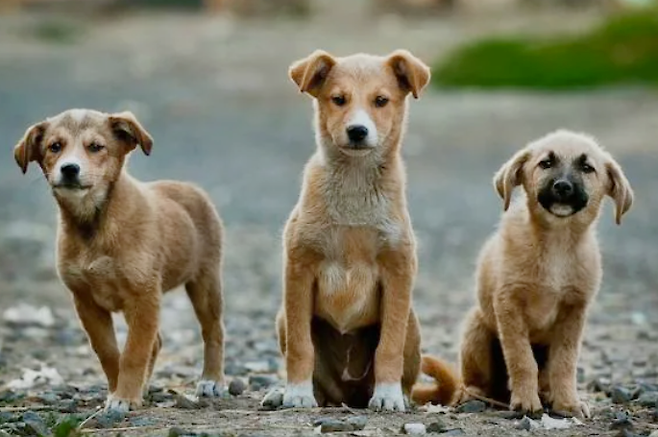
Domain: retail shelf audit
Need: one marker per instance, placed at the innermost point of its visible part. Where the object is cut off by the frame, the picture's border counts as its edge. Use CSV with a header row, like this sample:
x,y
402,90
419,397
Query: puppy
x,y
122,243
536,278
346,326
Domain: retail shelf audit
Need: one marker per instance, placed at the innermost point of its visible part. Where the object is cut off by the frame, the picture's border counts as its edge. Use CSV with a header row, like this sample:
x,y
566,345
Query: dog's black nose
x,y
70,171
562,189
357,132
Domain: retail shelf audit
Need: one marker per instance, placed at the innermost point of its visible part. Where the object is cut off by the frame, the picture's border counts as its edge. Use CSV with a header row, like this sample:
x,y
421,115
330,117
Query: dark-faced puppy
x,y
122,243
536,278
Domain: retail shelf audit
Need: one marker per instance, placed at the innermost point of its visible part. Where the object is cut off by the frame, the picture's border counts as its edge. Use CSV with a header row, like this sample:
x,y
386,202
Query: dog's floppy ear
x,y
310,73
510,176
619,189
412,73
28,148
126,127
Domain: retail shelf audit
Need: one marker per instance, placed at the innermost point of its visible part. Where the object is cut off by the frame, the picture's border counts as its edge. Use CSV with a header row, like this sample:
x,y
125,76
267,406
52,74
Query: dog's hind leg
x,y
205,292
476,359
154,357
411,355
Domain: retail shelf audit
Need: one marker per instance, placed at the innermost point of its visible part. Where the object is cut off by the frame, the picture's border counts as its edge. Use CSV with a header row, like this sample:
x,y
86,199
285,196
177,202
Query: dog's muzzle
x,y
563,197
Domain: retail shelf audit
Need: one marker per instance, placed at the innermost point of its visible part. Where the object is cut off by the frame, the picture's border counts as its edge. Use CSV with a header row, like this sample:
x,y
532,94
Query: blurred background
x,y
208,79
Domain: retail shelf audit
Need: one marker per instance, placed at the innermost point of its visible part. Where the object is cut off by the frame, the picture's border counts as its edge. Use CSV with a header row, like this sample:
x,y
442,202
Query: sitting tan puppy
x,y
122,243
346,326
536,278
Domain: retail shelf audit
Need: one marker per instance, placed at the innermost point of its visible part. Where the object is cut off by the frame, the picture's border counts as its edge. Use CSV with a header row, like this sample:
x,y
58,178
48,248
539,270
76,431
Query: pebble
x,y
356,423
142,421
259,382
509,415
654,434
414,429
176,432
598,385
621,421
34,423
68,406
108,419
453,432
649,399
620,395
525,423
184,403
273,399
472,406
436,427
236,387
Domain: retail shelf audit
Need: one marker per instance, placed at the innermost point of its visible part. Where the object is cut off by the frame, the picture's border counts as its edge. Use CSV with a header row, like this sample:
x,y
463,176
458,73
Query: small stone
x,y
453,432
108,419
176,432
184,403
5,416
472,406
414,429
68,406
142,421
236,387
622,421
620,395
598,385
510,415
525,423
654,434
273,399
436,427
329,424
47,398
648,399
259,382
34,423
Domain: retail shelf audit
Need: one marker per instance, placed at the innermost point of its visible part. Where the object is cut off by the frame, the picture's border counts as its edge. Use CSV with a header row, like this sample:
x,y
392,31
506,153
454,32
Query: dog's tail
x,y
443,390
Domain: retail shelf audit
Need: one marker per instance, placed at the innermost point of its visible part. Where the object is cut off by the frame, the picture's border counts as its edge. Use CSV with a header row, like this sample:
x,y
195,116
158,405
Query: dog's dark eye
x,y
338,100
381,101
95,147
586,168
546,163
55,147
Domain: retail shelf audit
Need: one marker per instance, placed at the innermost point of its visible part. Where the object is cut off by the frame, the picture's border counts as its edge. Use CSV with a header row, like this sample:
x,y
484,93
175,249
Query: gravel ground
x,y
215,96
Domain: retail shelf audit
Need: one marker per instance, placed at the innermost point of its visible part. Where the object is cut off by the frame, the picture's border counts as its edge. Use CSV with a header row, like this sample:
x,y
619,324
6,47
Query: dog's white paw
x,y
299,396
387,397
120,405
211,389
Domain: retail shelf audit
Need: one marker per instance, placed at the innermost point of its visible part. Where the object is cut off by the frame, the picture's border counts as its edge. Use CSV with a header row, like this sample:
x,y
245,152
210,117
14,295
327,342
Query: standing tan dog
x,y
122,243
346,326
536,277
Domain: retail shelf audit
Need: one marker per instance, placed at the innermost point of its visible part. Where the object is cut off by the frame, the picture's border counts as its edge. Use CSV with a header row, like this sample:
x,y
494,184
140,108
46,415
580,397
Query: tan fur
x,y
349,249
122,243
536,278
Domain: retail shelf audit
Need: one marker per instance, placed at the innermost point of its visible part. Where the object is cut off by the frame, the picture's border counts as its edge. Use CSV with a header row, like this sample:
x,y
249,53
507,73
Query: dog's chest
x,y
562,280
100,276
348,278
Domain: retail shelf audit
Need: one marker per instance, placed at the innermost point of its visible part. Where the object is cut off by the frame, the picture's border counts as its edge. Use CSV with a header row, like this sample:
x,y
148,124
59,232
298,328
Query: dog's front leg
x,y
142,318
517,351
300,360
97,323
397,275
563,360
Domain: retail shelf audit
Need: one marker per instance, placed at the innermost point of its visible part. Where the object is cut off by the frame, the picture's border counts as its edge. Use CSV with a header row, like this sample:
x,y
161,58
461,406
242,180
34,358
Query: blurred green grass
x,y
623,50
